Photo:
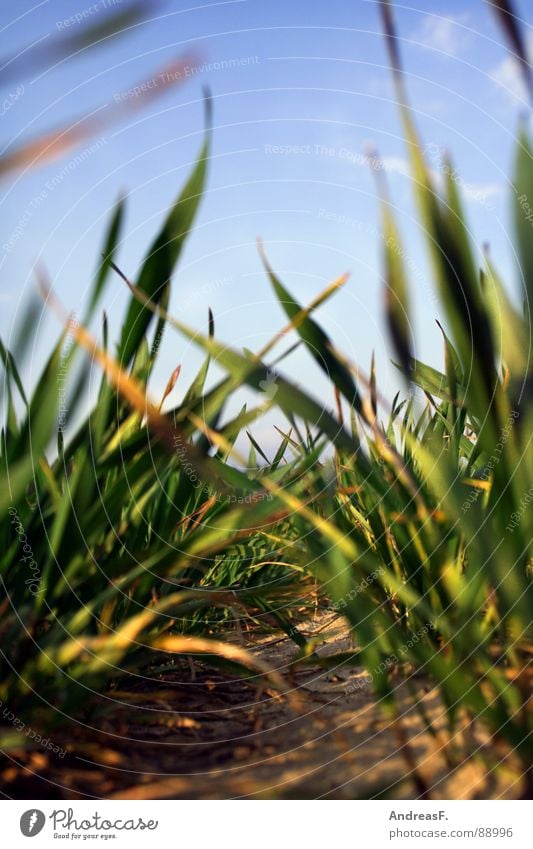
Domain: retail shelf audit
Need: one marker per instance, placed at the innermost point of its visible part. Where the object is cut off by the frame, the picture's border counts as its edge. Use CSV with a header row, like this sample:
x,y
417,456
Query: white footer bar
x,y
268,824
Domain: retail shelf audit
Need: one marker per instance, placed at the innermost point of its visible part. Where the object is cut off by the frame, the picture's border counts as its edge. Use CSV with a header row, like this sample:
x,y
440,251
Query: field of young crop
x,y
157,578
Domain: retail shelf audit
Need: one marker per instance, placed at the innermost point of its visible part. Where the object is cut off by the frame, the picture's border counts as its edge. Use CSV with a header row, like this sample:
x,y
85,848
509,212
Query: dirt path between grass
x,y
200,733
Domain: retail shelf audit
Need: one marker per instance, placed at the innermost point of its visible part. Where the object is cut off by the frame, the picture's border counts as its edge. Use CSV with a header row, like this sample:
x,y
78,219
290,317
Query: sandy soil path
x,y
204,734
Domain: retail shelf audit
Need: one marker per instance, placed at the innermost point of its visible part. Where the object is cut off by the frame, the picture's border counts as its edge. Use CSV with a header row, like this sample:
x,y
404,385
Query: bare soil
x,y
202,733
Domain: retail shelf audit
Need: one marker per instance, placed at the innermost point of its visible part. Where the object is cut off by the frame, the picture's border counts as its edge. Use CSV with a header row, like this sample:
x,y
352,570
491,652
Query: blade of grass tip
x,y
396,289
420,171
391,42
35,432
257,447
293,502
99,416
12,371
196,388
105,330
287,436
290,350
233,428
451,254
291,399
509,21
303,313
425,190
25,328
391,39
170,385
317,342
134,394
522,202
280,453
11,416
430,380
467,306
110,247
338,404
452,353
156,272
508,327
451,362
373,393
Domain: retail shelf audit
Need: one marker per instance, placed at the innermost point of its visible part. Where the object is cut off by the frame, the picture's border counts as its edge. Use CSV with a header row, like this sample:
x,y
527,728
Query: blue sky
x,y
307,91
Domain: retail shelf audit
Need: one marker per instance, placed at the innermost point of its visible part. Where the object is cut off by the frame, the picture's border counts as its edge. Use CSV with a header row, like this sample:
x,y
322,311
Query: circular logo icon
x,y
32,822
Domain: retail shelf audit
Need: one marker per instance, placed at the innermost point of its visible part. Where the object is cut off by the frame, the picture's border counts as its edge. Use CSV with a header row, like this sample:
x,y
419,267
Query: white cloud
x,y
509,77
445,34
396,165
480,192
476,192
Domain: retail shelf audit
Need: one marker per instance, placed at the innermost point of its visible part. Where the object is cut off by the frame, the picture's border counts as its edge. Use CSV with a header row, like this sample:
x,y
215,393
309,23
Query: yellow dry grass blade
x,y
236,654
476,483
55,144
